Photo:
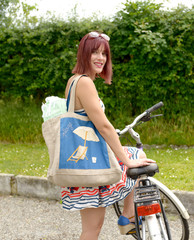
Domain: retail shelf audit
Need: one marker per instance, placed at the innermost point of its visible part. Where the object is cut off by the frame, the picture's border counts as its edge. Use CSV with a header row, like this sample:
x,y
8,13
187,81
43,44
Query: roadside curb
x,y
28,186
40,187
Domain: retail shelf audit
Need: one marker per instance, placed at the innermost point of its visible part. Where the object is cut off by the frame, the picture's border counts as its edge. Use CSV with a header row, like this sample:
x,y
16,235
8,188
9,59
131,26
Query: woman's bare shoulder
x,y
84,83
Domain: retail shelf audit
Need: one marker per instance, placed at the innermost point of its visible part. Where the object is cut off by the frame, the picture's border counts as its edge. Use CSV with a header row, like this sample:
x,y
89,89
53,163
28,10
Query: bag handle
x,y
72,93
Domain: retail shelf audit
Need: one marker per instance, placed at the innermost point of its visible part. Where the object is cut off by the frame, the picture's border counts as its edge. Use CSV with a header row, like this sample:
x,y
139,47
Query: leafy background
x,y
152,54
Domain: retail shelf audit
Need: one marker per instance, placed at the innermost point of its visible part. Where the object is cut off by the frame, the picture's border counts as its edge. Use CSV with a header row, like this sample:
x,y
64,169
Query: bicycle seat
x,y
149,170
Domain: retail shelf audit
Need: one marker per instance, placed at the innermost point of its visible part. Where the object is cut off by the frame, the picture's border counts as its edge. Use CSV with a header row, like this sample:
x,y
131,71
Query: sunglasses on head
x,y
96,34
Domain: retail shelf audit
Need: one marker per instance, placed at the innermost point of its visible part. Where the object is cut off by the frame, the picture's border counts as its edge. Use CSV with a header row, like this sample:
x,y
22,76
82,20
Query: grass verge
x,y
21,123
176,166
24,159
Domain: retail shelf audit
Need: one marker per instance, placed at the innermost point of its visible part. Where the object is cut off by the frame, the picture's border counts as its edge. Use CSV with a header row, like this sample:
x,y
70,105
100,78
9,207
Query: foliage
x,y
151,50
5,6
14,13
153,56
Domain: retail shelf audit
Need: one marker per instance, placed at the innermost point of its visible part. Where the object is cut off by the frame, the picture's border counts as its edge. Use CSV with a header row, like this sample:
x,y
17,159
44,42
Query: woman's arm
x,y
87,97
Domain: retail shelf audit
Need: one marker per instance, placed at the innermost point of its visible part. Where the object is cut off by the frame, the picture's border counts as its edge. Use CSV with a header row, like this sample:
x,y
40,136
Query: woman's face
x,y
98,60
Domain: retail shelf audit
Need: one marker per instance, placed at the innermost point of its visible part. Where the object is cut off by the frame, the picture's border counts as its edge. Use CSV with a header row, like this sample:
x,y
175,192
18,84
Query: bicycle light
x,y
145,210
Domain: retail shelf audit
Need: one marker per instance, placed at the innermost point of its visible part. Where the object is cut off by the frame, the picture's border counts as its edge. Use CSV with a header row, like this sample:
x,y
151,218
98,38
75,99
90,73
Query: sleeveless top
x,y
77,198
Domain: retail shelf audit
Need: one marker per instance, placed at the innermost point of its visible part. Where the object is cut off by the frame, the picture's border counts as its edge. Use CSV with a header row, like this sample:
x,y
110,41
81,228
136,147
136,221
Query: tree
x,y
14,13
6,8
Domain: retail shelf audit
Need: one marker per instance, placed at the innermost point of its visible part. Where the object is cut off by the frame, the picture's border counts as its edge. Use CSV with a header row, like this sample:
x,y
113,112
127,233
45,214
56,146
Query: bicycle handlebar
x,y
156,106
145,116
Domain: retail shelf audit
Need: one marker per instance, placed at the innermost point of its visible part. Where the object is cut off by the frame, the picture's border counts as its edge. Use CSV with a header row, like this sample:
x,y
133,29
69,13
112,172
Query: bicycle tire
x,y
174,216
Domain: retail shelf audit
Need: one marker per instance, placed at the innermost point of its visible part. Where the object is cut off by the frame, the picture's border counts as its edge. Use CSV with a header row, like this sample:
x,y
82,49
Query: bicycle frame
x,y
153,221
171,196
147,199
148,205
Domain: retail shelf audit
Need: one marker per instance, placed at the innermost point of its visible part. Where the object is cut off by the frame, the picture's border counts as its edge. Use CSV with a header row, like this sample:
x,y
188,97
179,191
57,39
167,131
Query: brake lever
x,y
158,115
149,117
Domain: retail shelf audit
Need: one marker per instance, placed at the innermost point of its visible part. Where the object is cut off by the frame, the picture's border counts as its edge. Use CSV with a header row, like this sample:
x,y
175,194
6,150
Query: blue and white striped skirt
x,y
77,198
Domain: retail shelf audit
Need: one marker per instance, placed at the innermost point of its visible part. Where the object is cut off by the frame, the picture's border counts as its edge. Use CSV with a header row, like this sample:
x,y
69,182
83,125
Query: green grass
x,y
24,159
176,166
22,148
21,123
162,131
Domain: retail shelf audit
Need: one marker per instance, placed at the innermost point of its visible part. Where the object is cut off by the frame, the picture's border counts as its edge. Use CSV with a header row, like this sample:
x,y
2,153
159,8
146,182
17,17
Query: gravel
x,y
27,218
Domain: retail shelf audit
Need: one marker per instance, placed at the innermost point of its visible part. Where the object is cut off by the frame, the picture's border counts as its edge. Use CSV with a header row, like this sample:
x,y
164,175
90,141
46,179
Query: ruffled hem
x,y
77,198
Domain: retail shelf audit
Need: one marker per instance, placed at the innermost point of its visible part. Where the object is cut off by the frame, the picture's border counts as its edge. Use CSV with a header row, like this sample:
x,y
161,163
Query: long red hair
x,y
86,47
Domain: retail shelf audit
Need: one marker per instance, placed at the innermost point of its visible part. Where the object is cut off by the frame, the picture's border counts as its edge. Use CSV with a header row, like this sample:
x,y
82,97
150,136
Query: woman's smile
x,y
98,60
99,65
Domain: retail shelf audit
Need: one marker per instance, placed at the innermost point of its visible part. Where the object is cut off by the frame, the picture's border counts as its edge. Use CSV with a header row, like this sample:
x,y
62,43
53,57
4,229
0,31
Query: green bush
x,y
152,52
153,56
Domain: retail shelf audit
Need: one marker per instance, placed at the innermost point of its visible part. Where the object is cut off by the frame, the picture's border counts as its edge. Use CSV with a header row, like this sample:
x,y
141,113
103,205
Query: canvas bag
x,y
79,156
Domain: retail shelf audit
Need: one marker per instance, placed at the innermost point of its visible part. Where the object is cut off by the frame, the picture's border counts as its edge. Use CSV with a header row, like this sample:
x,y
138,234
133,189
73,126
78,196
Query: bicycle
x,y
158,207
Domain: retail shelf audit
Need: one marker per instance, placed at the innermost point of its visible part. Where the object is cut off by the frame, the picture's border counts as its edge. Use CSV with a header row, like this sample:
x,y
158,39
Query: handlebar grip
x,y
156,106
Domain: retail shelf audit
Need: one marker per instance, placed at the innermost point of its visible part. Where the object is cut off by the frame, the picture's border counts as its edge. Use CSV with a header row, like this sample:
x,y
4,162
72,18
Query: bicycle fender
x,y
172,196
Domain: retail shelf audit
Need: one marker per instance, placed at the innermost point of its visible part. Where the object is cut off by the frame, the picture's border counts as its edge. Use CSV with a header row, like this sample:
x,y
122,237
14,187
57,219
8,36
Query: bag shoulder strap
x,y
71,94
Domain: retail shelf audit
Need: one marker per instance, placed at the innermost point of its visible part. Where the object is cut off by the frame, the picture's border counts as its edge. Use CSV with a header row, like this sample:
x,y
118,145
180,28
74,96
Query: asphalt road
x,y
26,219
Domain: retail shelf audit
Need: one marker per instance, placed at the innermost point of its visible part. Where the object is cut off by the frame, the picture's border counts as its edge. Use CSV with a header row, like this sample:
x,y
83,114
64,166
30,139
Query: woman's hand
x,y
139,162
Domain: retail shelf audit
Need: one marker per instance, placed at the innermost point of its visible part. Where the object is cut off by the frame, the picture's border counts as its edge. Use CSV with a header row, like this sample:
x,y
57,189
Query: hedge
x,y
152,53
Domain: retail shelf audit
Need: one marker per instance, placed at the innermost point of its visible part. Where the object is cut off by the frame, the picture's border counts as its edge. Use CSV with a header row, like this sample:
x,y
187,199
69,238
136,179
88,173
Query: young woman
x,y
93,59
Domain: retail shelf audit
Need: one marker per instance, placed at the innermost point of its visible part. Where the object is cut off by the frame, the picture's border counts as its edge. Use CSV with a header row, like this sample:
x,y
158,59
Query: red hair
x,y
86,47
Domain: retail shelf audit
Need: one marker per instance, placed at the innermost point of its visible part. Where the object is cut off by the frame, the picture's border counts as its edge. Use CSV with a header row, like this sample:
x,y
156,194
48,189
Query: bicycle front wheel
x,y
179,227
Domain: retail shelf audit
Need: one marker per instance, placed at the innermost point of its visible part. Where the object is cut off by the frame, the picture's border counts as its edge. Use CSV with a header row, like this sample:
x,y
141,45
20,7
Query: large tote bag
x,y
79,156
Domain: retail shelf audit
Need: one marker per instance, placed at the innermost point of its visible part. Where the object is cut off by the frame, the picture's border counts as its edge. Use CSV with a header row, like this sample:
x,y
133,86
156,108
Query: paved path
x,y
34,219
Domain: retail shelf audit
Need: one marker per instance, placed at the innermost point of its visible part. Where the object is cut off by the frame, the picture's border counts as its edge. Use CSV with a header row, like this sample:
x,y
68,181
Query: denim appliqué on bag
x,y
81,146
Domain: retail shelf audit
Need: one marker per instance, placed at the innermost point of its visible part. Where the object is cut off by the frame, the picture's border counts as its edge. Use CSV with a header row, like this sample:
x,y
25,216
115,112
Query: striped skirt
x,y
77,198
